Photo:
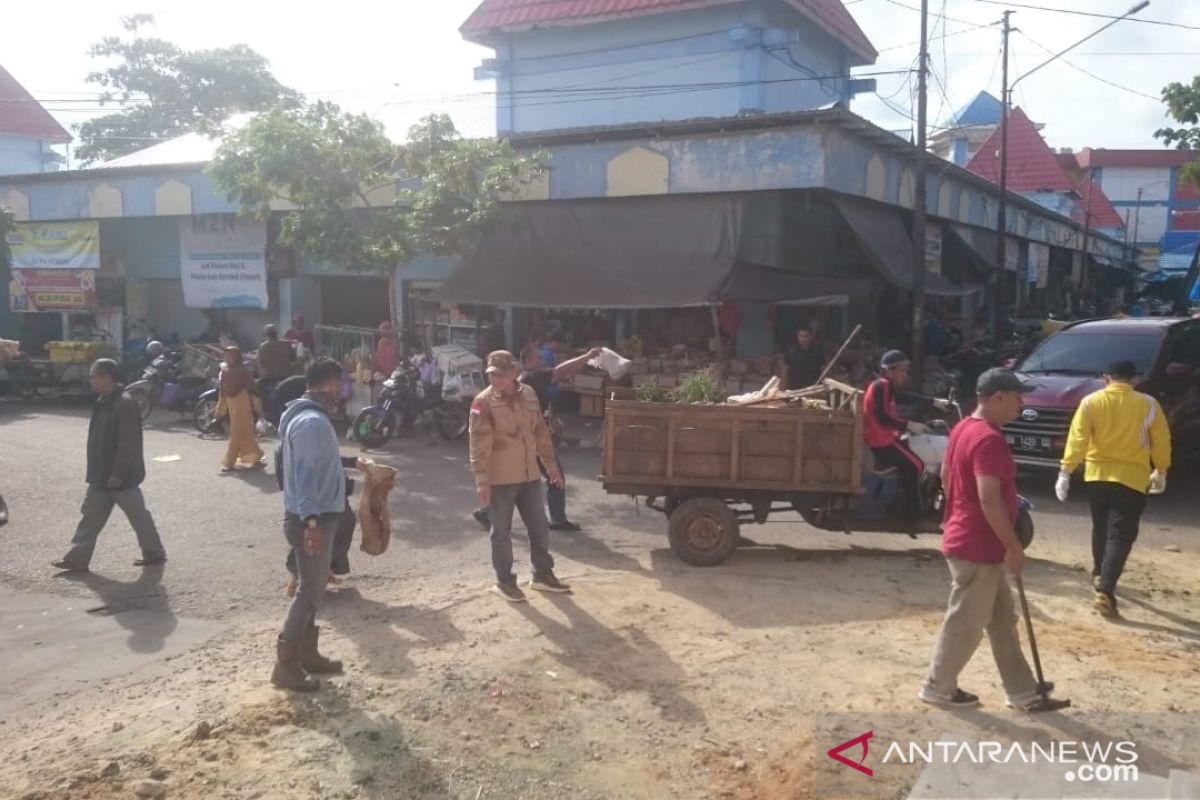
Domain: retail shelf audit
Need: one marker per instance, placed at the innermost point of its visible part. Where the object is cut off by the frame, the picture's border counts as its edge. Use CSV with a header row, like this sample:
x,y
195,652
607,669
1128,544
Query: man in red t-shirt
x,y
979,478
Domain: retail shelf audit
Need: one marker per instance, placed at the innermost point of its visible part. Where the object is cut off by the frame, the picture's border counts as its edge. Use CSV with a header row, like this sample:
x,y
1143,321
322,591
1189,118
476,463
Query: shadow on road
x,y
629,662
141,607
375,627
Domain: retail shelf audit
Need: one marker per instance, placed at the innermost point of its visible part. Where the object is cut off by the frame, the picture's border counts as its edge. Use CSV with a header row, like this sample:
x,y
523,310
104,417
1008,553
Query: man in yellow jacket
x,y
1122,437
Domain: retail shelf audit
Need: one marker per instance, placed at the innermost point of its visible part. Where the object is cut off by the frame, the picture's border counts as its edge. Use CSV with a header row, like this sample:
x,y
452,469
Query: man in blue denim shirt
x,y
314,500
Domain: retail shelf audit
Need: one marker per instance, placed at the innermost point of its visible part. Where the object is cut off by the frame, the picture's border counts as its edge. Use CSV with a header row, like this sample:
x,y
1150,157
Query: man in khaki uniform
x,y
508,437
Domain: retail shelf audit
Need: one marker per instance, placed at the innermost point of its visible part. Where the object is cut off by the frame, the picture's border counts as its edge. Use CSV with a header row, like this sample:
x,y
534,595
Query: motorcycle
x,y
163,385
275,394
878,508
409,396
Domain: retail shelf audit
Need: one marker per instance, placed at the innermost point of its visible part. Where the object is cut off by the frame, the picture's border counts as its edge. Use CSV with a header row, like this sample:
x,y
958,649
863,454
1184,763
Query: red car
x,y
1070,365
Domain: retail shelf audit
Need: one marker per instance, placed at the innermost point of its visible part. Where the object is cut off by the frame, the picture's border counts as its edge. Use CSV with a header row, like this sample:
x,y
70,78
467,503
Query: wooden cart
x,y
708,468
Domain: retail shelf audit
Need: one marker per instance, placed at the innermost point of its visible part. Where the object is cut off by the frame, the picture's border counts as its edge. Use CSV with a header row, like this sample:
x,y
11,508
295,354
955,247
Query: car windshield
x,y
1081,353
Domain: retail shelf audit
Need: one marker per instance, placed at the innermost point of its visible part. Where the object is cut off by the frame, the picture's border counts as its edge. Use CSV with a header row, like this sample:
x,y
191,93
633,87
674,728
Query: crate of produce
x,y
78,352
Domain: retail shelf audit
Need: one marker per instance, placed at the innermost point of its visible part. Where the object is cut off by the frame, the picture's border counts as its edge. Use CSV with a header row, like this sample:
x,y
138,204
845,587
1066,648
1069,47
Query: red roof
x,y
495,15
21,115
1032,165
1090,158
1099,212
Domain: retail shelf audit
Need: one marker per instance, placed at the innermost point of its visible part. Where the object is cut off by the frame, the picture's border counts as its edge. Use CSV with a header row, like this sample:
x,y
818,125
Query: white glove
x,y
917,428
941,404
1062,487
1158,482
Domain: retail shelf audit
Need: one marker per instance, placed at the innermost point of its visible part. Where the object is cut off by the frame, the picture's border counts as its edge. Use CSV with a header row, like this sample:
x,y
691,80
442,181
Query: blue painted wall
x,y
735,59
22,155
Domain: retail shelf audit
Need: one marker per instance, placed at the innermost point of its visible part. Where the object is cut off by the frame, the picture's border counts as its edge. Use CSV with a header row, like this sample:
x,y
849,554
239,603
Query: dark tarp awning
x,y
981,244
885,239
633,252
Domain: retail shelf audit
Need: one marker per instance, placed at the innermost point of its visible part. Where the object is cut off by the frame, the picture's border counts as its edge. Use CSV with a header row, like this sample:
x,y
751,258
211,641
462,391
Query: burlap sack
x,y
373,512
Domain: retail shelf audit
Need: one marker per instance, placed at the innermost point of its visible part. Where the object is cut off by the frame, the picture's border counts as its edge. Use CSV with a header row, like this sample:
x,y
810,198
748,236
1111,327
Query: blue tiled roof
x,y
983,110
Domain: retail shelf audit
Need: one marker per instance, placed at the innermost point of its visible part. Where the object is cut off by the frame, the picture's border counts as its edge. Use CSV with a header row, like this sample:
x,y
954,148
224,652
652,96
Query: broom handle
x,y
1037,661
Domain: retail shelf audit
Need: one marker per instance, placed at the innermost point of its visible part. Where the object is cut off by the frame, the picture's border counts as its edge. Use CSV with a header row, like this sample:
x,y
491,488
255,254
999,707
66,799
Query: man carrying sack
x,y
508,437
1119,434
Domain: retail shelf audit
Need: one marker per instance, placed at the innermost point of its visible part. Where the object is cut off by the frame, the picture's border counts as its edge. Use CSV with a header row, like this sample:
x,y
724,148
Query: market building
x,y
739,205
166,255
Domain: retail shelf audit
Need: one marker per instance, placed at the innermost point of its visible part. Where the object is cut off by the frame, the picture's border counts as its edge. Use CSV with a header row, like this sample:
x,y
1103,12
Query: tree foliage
x,y
1183,104
334,170
166,91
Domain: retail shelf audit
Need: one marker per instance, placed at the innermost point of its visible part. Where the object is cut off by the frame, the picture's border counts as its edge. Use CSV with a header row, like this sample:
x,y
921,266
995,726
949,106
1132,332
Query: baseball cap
x,y
501,361
893,358
998,379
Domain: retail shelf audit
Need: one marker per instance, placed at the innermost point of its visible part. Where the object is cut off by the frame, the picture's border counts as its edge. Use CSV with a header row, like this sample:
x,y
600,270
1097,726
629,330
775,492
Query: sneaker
x,y
1106,604
337,582
549,583
1096,582
566,526
959,699
68,567
481,516
509,591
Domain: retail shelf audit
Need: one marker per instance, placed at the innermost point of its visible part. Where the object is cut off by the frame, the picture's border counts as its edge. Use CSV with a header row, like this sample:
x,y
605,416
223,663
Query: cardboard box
x,y
591,405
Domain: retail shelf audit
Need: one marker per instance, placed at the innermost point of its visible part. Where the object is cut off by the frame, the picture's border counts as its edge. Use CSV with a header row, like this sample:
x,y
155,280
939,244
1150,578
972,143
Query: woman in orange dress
x,y
237,386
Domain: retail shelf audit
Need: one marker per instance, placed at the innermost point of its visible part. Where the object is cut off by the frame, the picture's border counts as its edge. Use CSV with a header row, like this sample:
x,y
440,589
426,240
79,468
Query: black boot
x,y
313,661
288,674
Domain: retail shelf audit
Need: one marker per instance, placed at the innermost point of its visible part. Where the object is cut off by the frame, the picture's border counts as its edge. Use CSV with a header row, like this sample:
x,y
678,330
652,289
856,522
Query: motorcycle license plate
x,y
1036,444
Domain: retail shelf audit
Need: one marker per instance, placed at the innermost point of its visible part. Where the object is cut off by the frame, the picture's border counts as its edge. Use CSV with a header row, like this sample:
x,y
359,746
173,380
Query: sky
x,y
401,60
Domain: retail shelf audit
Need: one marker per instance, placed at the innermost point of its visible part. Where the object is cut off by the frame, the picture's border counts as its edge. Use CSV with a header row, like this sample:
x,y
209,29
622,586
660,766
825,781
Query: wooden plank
x,y
670,449
610,427
798,454
734,451
652,486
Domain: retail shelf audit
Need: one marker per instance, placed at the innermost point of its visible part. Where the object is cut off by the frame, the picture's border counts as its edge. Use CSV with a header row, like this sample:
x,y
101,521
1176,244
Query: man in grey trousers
x,y
314,500
115,471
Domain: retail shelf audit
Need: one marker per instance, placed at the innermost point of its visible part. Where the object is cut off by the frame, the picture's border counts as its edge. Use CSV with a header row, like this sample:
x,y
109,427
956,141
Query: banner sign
x,y
55,245
933,248
52,289
223,261
1039,264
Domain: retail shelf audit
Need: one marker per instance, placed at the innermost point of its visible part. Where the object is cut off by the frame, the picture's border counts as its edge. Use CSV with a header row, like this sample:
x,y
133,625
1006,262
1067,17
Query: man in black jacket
x,y
115,470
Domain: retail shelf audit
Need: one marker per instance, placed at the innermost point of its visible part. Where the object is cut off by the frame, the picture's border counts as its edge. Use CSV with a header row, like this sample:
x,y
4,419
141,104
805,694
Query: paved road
x,y
226,549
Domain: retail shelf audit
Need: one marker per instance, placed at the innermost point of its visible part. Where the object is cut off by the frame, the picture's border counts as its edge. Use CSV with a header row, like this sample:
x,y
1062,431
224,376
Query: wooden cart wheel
x,y
703,531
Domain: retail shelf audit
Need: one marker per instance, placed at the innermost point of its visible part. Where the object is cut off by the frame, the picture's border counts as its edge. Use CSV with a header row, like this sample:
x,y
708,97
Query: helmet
x,y
154,349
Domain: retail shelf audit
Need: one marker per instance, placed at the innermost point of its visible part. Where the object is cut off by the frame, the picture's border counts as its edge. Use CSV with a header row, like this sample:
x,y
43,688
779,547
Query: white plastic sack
x,y
613,363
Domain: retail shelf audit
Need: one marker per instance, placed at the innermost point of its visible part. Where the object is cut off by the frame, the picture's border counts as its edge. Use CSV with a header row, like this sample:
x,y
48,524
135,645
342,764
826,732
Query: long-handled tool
x,y
1043,688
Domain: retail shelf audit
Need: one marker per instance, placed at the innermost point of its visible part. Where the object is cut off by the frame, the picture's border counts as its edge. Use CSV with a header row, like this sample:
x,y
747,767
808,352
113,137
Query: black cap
x,y
998,379
893,358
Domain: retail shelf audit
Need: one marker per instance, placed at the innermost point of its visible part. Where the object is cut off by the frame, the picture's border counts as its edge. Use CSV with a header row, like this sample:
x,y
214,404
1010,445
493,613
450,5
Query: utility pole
x,y
1137,215
999,304
919,209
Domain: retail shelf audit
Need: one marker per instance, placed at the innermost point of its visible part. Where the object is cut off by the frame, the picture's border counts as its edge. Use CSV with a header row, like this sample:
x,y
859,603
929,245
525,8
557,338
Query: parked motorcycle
x,y
879,508
275,396
163,385
407,398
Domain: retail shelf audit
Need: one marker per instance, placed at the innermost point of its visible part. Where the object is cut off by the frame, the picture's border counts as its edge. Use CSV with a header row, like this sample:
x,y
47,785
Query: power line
x,y
1092,75
960,31
1090,14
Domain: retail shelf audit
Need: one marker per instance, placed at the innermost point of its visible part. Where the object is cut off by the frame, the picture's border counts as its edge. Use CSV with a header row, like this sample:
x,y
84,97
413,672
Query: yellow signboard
x,y
55,245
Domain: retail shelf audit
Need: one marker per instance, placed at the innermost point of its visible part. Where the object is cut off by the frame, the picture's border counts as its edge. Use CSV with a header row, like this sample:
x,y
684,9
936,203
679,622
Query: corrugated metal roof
x,y
191,148
1032,165
498,15
22,115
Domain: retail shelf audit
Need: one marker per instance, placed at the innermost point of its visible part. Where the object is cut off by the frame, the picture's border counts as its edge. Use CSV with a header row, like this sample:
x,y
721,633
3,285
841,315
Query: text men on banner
x,y
223,261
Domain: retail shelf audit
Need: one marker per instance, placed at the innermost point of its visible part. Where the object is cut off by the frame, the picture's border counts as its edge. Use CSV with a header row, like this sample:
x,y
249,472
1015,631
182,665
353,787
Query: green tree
x,y
164,91
334,170
1183,104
